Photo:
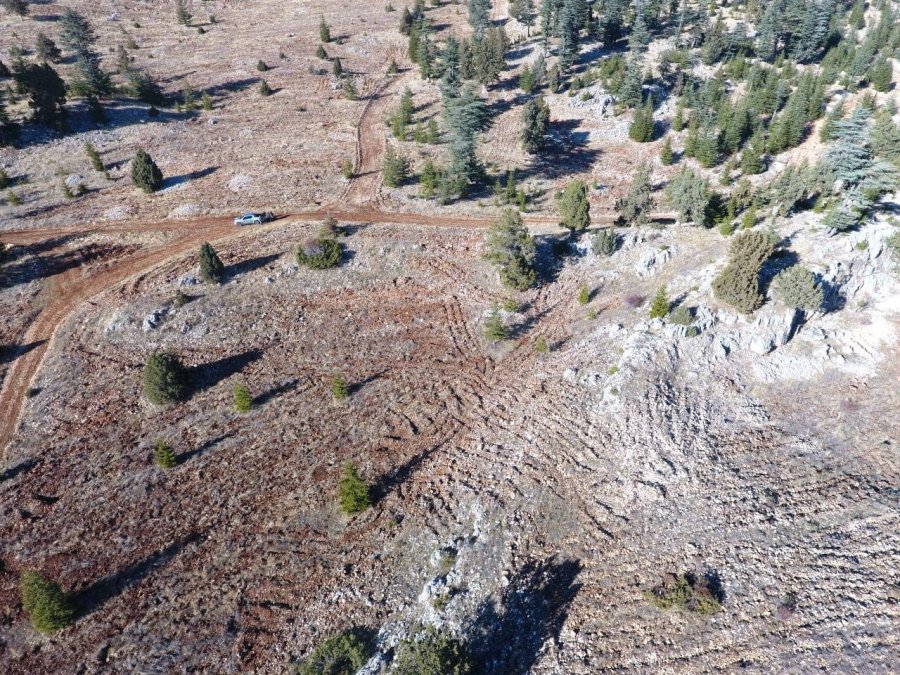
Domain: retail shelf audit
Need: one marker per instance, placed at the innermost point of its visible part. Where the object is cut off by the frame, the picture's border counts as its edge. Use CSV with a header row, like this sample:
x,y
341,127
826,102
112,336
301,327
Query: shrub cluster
x,y
687,592
605,242
432,652
796,287
320,253
341,654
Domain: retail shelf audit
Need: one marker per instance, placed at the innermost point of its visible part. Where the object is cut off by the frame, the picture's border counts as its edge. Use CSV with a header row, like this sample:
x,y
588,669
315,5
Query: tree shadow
x,y
96,595
232,87
833,300
507,634
548,262
184,178
358,386
40,268
566,152
524,327
275,392
391,480
208,375
777,262
251,265
22,467
201,449
9,353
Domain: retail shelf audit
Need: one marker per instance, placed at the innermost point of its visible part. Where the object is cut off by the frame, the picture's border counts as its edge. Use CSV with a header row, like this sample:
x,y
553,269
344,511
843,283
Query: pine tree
x,y
494,328
144,172
690,195
465,115
796,287
678,119
479,16
19,7
164,455
751,157
77,35
642,124
46,93
94,156
324,31
639,37
574,210
634,208
46,50
211,268
661,304
885,137
182,15
395,168
49,608
665,155
880,74
243,401
512,250
535,123
164,378
605,242
353,492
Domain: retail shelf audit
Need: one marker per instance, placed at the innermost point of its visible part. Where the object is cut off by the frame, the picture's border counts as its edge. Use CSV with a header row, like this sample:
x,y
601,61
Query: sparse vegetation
x,y
432,652
494,328
686,592
341,654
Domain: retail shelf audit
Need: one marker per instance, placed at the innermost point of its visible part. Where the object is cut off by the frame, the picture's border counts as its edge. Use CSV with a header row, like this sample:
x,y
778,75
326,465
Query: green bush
x,y
432,652
262,66
341,654
48,606
320,253
243,402
605,242
164,455
738,283
540,346
353,491
144,172
796,287
686,592
165,378
513,250
681,315
265,89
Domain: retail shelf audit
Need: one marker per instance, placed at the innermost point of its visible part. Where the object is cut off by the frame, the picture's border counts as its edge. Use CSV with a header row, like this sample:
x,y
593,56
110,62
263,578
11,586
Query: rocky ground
x,y
524,501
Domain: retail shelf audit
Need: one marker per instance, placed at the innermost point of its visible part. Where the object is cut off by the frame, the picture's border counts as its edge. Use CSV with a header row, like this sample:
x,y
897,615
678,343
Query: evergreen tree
x,y
243,401
395,167
880,74
144,172
751,157
479,16
46,50
211,268
19,7
849,155
630,91
94,156
523,12
642,124
634,208
512,249
574,209
661,304
77,36
324,31
353,491
885,137
465,115
182,15
45,90
428,179
571,19
738,283
47,605
690,195
639,37
165,378
826,133
535,123
605,242
164,455
665,155
494,328
526,80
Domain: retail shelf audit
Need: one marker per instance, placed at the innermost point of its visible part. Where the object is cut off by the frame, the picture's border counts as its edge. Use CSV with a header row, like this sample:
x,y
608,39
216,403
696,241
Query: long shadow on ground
x,y
507,634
